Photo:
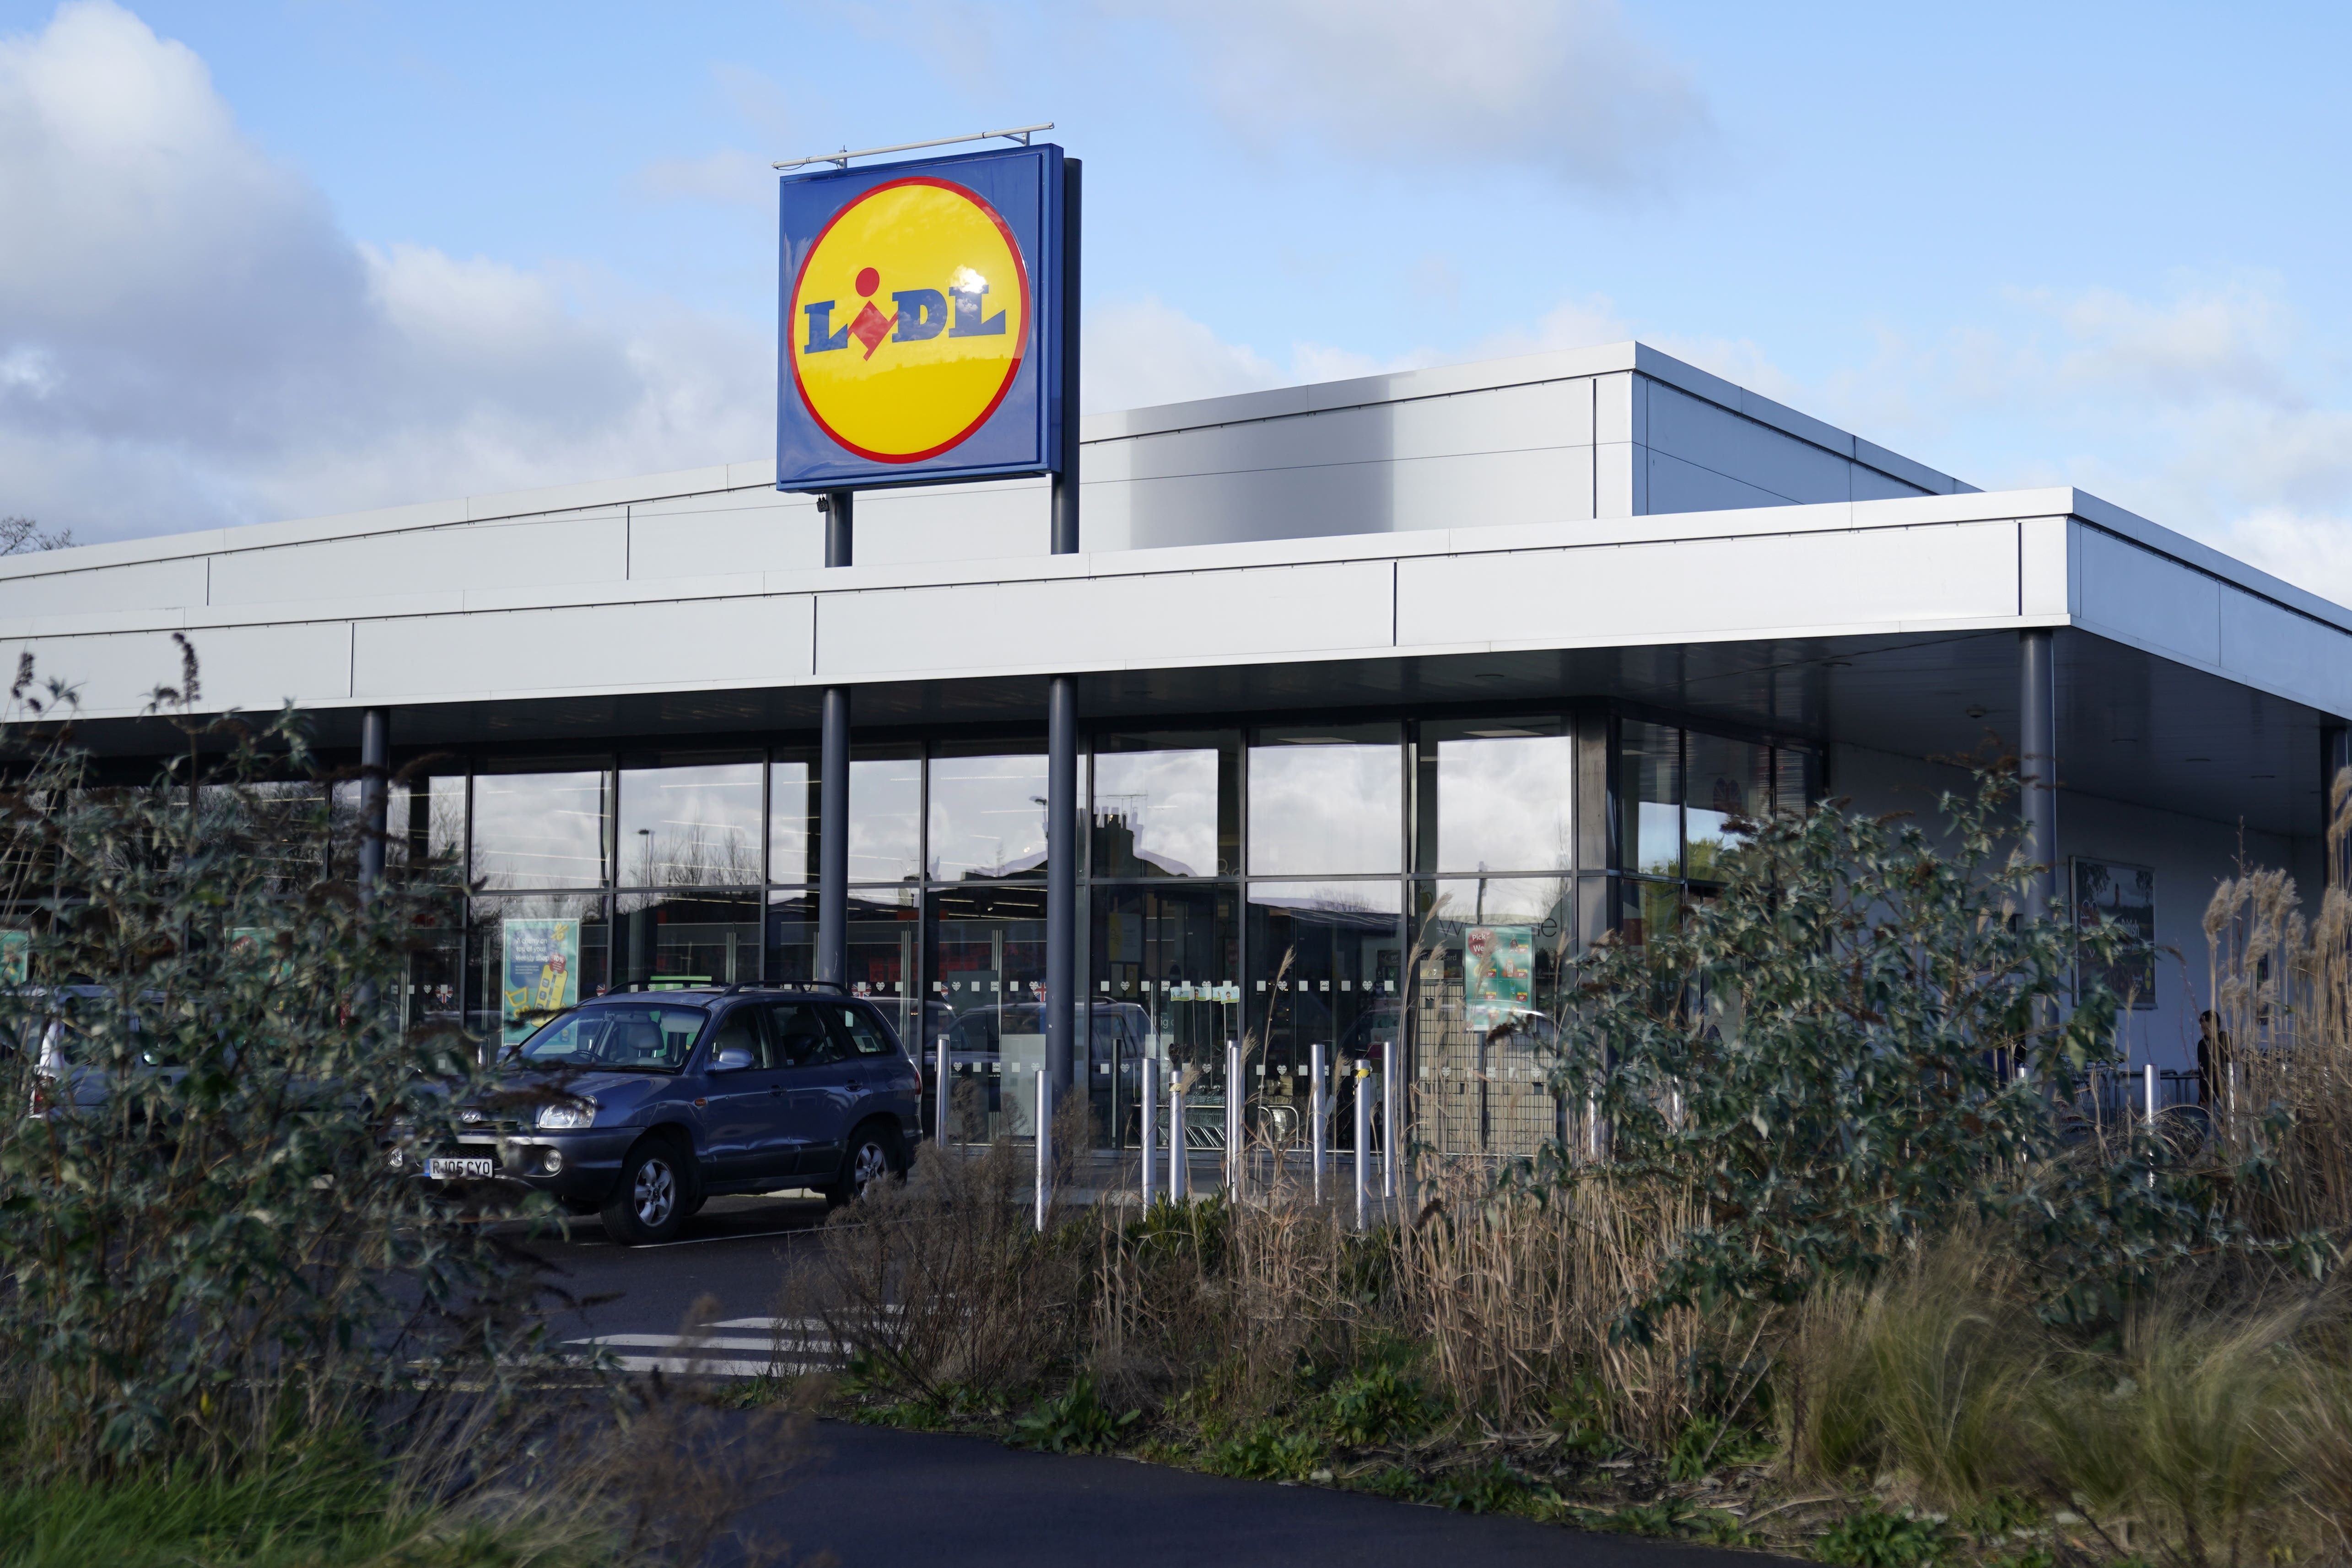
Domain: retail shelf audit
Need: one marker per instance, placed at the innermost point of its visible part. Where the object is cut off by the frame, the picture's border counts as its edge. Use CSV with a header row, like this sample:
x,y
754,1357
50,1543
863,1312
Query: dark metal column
x,y
2334,757
375,769
1064,1004
2037,758
831,958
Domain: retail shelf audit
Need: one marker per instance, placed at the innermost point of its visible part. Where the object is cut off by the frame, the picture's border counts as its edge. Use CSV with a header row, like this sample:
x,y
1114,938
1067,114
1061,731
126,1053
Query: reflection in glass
x,y
793,818
881,941
988,977
886,814
1495,797
1327,966
988,817
1165,808
1730,780
284,825
1164,988
1487,958
1326,801
1645,907
540,830
690,825
1649,800
556,956
686,938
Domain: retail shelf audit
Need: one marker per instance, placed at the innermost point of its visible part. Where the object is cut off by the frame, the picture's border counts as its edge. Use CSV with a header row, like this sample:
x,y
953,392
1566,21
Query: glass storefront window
x,y
1487,958
533,957
1730,780
1644,906
1165,971
988,817
1326,801
1495,796
1327,962
537,826
686,938
285,824
1796,780
690,823
1649,800
881,940
1167,805
423,822
988,977
792,817
886,817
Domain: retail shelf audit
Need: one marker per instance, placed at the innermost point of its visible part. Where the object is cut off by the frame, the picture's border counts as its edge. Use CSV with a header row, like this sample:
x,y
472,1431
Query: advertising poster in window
x,y
2109,893
542,974
15,958
1497,975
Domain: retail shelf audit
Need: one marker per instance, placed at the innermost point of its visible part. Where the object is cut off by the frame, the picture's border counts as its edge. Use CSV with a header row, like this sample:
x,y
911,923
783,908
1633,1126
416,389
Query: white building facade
x,y
1372,676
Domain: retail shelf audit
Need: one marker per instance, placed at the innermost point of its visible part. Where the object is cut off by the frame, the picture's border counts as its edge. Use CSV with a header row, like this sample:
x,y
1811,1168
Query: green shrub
x,y
1877,1538
1073,1422
1366,1409
1265,1451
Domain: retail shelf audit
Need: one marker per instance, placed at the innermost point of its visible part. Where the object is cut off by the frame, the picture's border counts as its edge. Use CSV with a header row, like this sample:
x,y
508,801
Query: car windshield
x,y
617,1037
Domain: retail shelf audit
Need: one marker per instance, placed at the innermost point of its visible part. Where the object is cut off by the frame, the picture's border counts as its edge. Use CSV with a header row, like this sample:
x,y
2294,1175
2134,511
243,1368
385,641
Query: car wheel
x,y
649,1202
874,1155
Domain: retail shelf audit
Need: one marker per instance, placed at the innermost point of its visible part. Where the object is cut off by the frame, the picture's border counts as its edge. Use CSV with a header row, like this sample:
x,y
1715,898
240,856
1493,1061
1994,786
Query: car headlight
x,y
569,1113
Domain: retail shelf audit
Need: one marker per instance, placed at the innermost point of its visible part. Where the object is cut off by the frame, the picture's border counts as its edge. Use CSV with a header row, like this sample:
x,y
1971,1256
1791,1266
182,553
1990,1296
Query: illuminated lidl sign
x,y
920,338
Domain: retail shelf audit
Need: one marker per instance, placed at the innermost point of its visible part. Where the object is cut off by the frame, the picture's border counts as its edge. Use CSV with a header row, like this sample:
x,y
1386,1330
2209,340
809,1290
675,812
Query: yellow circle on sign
x,y
908,320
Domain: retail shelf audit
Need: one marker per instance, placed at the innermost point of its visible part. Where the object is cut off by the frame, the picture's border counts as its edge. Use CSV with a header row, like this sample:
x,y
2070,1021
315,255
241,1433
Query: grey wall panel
x,y
1772,460
533,553
1620,409
1704,588
1546,484
259,669
739,530
2266,645
2158,603
685,644
1870,484
1678,487
141,585
1504,419
1109,623
1621,480
907,528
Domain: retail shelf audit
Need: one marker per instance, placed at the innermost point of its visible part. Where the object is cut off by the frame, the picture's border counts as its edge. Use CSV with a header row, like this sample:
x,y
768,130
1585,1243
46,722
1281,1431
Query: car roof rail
x,y
786,985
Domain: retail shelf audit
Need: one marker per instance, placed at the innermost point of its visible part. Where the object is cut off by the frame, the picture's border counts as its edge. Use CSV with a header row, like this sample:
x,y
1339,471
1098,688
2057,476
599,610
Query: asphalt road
x,y
881,1499
738,1250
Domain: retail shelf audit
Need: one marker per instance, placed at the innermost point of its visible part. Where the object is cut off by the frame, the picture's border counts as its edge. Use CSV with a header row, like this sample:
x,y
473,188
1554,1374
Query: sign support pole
x,y
1065,1004
833,781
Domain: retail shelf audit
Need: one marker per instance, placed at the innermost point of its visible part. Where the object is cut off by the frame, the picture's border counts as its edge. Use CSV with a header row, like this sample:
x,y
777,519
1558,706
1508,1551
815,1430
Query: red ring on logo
x,y
1012,366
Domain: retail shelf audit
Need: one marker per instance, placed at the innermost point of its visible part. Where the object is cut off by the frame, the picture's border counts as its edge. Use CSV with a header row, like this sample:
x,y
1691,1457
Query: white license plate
x,y
459,1168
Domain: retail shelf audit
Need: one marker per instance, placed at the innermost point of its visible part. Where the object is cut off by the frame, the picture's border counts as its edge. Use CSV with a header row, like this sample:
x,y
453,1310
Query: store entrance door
x,y
1166,991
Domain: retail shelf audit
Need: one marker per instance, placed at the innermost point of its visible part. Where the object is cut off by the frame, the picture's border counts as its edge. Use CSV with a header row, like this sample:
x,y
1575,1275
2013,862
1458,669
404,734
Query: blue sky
x,y
287,258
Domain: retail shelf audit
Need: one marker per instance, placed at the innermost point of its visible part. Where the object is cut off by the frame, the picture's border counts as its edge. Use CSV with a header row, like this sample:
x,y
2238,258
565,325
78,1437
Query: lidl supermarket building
x,y
1365,672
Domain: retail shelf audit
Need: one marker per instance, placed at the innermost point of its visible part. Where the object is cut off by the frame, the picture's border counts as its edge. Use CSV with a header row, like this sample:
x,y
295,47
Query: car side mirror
x,y
731,1059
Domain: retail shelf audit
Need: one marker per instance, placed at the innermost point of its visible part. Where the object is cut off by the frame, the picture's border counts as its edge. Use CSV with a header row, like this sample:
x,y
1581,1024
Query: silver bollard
x,y
939,1116
1317,1109
1180,1153
1234,1090
1148,1083
1044,1145
2148,1091
1363,1138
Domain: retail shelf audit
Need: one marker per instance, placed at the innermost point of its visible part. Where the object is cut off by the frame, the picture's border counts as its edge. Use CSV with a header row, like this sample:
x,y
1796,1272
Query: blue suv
x,y
640,1106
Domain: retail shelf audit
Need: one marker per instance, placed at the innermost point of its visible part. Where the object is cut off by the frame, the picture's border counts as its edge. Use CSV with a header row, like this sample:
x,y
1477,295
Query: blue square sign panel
x,y
921,336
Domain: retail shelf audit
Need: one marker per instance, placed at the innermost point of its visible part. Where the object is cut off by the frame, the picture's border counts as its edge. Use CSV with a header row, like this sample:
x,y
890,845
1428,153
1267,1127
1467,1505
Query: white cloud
x,y
187,338
1143,353
1564,86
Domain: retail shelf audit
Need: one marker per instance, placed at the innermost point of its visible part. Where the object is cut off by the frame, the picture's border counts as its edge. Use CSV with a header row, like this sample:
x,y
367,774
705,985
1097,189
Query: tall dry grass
x,y
2282,990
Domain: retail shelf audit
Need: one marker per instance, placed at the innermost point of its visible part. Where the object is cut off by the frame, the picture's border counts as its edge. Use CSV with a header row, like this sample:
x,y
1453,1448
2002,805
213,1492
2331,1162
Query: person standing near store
x,y
2212,1060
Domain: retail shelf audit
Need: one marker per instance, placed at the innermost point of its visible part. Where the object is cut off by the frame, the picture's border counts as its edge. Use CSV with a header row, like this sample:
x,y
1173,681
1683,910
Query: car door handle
x,y
854,1083
776,1088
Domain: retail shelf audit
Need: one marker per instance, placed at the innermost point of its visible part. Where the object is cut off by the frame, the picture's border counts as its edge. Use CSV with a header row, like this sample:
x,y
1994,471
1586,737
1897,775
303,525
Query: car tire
x,y
648,1205
873,1153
